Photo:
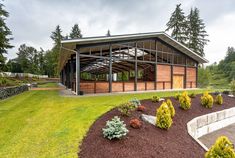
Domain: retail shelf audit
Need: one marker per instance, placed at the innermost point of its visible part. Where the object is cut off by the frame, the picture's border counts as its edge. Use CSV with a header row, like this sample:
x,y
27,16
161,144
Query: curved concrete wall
x,y
208,123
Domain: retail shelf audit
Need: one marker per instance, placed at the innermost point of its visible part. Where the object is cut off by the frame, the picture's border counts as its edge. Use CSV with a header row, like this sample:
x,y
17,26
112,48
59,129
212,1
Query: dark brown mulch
x,y
149,141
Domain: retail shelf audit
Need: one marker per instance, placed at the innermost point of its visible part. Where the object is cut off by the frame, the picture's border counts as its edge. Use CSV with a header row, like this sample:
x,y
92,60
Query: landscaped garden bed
x,y
149,140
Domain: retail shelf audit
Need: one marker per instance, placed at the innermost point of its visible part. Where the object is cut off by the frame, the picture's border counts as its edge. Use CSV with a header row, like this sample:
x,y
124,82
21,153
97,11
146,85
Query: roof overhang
x,y
68,46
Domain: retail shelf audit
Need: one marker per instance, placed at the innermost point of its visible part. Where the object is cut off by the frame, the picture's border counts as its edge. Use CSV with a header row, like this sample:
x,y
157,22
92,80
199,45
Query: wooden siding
x,y
191,78
163,73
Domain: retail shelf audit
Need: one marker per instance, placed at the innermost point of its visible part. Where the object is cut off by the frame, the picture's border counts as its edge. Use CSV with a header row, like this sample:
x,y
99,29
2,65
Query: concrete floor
x,y
209,139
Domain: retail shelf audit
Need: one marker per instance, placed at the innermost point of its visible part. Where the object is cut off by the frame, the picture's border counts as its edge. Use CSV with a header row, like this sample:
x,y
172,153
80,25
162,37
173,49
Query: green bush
x,y
135,101
115,129
177,96
219,99
192,95
222,148
155,99
185,101
232,86
207,100
164,120
126,108
171,107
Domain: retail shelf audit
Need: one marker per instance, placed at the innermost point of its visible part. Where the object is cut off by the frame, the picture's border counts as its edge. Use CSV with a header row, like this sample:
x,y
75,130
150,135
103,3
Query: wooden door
x,y
178,81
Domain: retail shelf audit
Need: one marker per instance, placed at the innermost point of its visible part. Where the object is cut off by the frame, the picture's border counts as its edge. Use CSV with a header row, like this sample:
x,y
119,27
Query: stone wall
x,y
10,91
208,123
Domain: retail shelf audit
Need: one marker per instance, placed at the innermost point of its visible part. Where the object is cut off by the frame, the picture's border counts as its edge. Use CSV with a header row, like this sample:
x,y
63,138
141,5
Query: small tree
x,y
171,107
207,100
164,120
115,129
185,101
222,148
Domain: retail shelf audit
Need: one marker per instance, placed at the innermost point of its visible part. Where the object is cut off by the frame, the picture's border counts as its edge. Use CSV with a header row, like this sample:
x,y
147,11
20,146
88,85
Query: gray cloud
x,y
33,21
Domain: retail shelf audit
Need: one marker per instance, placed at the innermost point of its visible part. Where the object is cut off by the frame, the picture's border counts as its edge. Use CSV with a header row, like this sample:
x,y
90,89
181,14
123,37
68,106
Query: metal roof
x,y
71,43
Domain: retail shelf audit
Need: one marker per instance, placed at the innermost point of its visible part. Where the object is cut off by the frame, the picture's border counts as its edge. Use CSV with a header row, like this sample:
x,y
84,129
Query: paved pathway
x,y
210,138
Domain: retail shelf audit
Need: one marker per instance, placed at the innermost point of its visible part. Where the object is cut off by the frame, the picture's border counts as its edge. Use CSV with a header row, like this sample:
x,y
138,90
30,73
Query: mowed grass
x,y
48,85
43,124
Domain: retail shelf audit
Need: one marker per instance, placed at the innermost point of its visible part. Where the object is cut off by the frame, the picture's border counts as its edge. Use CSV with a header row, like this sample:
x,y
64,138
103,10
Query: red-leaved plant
x,y
135,123
141,108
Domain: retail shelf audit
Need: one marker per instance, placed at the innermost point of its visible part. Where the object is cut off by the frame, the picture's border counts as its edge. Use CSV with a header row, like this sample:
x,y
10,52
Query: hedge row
x,y
10,91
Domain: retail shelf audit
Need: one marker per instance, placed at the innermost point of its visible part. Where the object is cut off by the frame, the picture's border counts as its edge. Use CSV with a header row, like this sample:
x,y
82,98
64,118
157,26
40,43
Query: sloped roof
x,y
70,44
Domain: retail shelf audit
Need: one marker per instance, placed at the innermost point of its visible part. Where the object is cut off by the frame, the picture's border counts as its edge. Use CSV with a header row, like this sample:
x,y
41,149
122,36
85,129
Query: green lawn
x,y
48,85
43,124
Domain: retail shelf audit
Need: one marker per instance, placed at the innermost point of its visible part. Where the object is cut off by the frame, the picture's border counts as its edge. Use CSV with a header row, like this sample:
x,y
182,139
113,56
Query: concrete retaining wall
x,y
208,123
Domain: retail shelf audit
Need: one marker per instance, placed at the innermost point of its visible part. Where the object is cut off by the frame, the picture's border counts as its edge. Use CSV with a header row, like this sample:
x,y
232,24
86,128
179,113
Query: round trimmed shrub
x,y
207,100
155,99
135,123
115,129
185,101
164,120
222,148
219,99
171,107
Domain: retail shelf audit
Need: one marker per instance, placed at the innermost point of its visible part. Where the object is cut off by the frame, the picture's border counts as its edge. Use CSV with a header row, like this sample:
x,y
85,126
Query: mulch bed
x,y
149,141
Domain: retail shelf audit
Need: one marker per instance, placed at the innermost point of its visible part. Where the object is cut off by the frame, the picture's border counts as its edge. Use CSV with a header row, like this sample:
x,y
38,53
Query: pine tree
x,y
177,24
4,33
196,32
108,33
56,36
76,32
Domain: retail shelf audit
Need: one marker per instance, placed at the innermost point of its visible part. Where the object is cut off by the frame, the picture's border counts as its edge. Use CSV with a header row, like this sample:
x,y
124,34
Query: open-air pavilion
x,y
131,62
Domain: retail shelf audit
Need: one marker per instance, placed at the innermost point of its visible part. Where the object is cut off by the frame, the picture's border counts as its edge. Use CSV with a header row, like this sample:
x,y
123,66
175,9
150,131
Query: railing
x,y
11,74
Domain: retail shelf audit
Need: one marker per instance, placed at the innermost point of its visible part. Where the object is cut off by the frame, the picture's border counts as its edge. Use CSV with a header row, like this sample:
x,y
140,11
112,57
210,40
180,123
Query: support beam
x,y
78,75
110,69
136,68
71,73
197,75
172,77
185,74
155,67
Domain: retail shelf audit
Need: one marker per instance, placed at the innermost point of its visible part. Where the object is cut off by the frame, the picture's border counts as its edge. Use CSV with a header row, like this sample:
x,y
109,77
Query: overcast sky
x,y
32,21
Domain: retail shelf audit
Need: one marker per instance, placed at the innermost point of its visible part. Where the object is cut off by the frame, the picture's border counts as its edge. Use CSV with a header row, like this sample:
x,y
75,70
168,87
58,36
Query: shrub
x,y
177,96
135,101
185,101
141,108
207,100
232,86
164,120
115,129
192,95
219,99
135,123
171,107
222,148
155,99
126,108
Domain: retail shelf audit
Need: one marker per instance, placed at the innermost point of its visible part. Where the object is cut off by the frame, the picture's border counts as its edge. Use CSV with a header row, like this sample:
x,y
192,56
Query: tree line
x,y
188,30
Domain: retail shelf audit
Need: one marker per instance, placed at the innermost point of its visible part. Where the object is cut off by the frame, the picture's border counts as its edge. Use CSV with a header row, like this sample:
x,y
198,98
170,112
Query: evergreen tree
x,y
108,33
76,32
196,32
56,36
4,33
177,24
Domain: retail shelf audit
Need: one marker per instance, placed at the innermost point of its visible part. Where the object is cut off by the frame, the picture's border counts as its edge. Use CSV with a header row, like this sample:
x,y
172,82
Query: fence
x,y
10,74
